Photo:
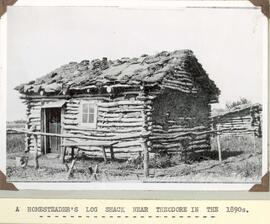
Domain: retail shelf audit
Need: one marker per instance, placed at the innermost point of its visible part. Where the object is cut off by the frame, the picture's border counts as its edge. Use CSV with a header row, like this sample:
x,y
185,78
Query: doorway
x,y
51,118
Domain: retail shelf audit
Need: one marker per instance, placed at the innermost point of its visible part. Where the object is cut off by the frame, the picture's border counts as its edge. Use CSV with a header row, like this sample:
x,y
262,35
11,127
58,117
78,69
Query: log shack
x,y
245,118
107,100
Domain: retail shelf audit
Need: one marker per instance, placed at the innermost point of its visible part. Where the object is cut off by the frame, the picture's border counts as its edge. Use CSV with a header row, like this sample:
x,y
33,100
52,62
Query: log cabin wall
x,y
174,113
116,118
246,118
122,116
236,120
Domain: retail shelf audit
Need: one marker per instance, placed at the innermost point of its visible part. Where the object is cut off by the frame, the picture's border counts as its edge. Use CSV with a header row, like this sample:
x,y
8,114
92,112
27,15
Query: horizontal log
x,y
71,109
128,151
157,126
234,122
185,77
157,132
198,142
180,71
118,124
120,103
121,120
122,130
90,152
123,136
70,122
181,128
177,140
127,144
92,133
175,147
164,138
103,130
72,117
120,110
126,115
123,107
166,146
116,151
71,112
109,115
192,147
234,126
188,82
185,90
235,119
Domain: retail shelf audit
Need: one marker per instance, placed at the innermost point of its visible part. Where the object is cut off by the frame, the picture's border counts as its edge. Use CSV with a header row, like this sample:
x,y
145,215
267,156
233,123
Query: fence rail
x,y
143,135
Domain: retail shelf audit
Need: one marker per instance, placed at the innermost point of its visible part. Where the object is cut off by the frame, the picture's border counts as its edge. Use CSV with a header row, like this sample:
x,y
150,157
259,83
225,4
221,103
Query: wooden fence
x,y
182,137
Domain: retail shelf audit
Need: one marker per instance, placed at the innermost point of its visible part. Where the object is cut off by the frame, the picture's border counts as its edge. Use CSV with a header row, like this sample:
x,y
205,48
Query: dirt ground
x,y
237,166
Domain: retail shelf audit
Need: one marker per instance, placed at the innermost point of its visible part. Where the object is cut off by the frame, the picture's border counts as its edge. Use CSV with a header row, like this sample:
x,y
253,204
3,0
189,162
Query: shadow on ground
x,y
213,155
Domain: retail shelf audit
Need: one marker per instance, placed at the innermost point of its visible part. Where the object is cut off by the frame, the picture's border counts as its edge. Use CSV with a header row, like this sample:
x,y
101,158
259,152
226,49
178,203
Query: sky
x,y
227,42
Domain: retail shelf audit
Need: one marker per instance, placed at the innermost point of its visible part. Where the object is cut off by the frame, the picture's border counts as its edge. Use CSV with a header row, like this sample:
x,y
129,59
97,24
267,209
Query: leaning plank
x,y
71,167
104,154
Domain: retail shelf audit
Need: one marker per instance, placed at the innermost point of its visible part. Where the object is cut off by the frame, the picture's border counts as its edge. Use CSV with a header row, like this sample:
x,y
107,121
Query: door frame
x,y
44,128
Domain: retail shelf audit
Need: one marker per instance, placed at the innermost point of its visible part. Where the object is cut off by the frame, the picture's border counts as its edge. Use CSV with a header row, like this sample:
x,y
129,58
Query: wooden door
x,y
52,125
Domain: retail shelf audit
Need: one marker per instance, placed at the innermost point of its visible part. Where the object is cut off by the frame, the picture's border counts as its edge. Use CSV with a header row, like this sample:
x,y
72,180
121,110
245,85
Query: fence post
x,y
218,144
36,150
254,141
145,157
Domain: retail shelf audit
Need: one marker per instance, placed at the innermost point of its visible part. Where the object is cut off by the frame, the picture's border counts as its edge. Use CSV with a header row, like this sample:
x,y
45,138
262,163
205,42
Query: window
x,y
89,113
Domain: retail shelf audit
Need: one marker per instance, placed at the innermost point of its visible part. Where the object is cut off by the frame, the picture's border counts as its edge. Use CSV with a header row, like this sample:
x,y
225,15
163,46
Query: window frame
x,y
90,125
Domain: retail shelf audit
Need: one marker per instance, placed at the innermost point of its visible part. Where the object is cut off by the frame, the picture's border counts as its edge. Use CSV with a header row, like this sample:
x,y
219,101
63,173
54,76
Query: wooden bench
x,y
102,144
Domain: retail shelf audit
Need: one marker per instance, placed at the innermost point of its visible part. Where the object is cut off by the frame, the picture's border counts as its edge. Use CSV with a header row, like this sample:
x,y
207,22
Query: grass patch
x,y
15,143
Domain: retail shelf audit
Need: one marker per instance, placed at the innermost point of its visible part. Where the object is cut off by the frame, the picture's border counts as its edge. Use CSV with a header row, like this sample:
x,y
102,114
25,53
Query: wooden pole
x,y
112,153
218,145
104,154
63,152
254,142
145,157
36,151
72,152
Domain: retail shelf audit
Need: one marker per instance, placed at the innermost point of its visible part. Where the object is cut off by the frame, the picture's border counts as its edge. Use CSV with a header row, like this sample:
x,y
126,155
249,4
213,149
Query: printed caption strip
x,y
82,211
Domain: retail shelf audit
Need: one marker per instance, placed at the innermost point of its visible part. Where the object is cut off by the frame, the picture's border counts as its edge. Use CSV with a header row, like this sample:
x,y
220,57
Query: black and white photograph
x,y
136,95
